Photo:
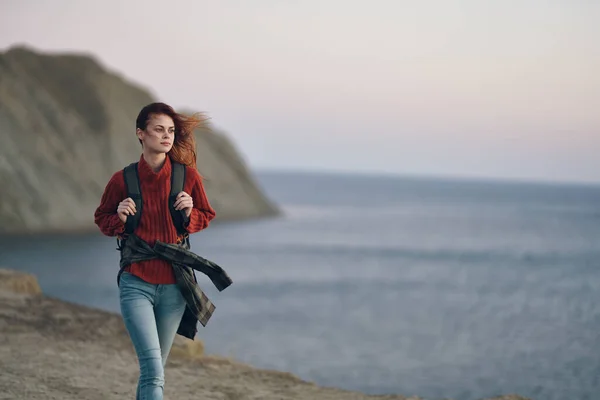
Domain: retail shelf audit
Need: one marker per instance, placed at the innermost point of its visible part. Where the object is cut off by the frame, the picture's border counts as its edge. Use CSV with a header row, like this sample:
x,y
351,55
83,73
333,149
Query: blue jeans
x,y
151,314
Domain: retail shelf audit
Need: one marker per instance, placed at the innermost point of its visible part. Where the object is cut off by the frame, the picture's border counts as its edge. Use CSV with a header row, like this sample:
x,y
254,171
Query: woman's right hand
x,y
126,207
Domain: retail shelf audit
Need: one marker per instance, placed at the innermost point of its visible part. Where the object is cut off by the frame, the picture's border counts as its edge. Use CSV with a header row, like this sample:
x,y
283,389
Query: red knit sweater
x,y
156,222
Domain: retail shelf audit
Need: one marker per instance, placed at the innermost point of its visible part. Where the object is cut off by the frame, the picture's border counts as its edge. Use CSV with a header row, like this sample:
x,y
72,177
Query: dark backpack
x,y
132,184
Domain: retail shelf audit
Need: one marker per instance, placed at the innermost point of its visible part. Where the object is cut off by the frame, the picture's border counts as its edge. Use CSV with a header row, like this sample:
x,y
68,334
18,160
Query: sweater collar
x,y
146,172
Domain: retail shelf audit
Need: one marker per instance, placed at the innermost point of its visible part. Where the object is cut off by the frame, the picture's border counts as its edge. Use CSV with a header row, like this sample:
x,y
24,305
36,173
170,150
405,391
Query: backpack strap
x,y
177,183
132,183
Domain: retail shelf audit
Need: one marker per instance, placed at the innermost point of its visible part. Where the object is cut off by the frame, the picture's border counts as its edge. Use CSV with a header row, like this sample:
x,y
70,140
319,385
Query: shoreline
x,y
50,348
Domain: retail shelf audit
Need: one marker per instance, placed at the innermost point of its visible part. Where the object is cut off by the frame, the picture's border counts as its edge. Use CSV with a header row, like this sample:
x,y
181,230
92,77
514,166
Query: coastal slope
x,y
67,124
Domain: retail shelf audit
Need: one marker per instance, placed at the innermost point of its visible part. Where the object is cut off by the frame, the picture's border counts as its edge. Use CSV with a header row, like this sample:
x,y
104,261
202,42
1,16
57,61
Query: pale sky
x,y
466,88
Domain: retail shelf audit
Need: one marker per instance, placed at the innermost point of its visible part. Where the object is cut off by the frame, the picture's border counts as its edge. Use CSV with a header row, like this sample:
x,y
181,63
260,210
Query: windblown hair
x,y
184,145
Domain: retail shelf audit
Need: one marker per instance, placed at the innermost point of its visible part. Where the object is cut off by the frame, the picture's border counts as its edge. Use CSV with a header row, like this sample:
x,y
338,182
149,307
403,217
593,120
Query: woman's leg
x,y
168,310
137,300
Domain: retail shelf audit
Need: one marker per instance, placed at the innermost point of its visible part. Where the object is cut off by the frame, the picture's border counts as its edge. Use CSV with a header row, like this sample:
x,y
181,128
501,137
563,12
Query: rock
x,y
186,348
19,282
67,124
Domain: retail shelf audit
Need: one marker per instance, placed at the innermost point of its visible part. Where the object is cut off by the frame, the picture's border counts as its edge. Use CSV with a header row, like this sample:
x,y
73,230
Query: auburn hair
x,y
184,145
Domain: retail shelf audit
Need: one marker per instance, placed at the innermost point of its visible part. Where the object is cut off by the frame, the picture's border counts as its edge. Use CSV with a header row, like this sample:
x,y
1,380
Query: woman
x,y
152,304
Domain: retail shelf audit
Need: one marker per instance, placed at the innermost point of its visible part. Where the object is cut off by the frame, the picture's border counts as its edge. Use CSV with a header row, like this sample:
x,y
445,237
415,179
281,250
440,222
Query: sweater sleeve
x,y
202,213
106,216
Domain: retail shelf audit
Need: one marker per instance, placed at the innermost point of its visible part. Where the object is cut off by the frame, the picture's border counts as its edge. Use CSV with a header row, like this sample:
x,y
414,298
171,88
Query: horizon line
x,y
426,176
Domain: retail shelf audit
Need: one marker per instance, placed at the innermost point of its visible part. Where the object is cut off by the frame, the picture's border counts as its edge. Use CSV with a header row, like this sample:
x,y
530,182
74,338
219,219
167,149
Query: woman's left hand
x,y
184,202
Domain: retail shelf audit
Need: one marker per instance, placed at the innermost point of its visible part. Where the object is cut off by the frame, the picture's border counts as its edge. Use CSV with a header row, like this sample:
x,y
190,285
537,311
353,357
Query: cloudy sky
x,y
467,88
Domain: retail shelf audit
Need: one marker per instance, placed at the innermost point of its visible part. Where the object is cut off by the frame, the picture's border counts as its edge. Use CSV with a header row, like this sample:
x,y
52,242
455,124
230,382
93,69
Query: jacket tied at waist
x,y
199,307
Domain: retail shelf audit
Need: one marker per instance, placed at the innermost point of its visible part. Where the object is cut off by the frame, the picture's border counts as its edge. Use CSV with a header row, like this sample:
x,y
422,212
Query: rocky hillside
x,y
67,124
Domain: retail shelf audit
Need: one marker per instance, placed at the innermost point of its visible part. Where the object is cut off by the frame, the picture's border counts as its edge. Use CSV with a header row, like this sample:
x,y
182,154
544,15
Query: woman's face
x,y
159,134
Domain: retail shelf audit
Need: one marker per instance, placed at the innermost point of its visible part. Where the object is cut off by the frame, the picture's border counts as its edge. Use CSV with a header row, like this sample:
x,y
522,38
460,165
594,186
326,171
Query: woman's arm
x,y
106,216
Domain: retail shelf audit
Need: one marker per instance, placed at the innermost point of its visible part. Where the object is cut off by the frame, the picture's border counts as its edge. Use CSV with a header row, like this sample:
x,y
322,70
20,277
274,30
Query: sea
x,y
441,288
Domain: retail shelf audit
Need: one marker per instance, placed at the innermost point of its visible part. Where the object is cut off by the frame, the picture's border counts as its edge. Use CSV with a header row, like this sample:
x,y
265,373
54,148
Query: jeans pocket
x,y
127,277
134,292
129,282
